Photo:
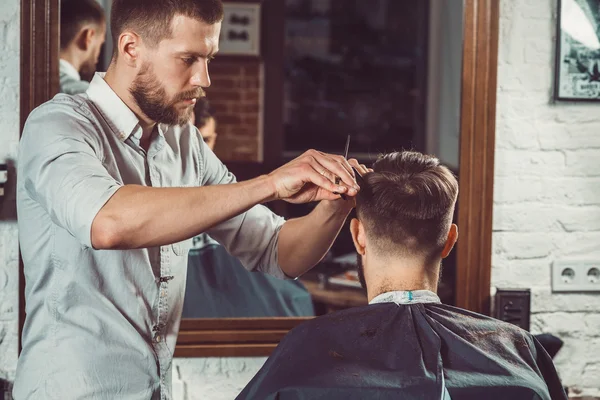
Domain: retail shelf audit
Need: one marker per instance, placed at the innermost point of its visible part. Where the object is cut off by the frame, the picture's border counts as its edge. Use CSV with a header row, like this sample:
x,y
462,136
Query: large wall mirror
x,y
393,74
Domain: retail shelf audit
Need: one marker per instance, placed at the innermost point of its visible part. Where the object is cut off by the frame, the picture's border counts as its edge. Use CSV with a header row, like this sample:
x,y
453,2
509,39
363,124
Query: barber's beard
x,y
87,70
361,271
152,100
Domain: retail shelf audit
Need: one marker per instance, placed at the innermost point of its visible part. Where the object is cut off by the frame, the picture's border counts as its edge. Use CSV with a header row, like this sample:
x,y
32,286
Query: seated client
x,y
405,344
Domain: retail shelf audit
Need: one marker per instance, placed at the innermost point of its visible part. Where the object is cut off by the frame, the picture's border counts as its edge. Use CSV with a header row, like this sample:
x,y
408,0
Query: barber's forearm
x,y
304,241
140,216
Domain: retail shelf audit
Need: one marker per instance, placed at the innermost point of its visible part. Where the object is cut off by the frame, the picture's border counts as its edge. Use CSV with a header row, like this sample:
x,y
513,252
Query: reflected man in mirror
x,y
405,344
82,34
113,185
204,119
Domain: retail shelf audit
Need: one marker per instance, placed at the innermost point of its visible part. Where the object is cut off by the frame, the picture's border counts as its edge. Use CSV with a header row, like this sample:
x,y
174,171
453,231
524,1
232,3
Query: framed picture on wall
x,y
577,72
240,30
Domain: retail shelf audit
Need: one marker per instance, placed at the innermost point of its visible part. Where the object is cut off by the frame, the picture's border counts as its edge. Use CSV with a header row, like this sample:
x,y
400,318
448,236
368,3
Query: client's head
x,y
404,224
205,121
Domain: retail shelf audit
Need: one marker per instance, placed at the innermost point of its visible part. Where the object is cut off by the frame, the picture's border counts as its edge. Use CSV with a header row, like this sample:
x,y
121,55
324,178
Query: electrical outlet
x,y
576,276
3,177
3,173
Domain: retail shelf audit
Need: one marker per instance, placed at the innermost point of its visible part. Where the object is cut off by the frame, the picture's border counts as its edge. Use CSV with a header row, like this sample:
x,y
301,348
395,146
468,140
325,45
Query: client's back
x,y
405,344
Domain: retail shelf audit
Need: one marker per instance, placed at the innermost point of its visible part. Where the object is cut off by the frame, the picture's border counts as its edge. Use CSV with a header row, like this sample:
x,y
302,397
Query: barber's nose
x,y
201,77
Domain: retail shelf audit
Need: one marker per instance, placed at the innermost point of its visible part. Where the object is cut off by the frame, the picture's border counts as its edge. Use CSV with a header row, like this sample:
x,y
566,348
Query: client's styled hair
x,y
407,204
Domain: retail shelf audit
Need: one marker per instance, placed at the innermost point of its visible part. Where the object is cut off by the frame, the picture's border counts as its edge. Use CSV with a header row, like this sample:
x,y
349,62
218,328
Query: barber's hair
x,y
203,112
151,19
406,204
74,15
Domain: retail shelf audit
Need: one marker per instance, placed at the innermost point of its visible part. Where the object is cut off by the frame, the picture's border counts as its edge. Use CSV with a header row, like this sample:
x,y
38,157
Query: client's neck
x,y
391,274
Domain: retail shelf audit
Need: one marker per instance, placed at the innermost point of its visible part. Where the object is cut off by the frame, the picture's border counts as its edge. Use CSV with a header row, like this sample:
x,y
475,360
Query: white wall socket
x,y
576,276
3,178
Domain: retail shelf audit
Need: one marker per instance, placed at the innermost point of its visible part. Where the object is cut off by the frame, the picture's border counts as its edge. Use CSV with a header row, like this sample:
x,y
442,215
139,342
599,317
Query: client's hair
x,y
406,205
203,112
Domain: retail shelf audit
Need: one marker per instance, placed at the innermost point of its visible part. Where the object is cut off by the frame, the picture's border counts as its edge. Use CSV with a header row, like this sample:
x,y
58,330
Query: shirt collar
x,y
121,119
68,69
406,297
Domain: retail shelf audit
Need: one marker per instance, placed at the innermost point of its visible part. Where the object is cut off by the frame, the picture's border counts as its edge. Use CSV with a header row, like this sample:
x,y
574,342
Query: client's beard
x,y
87,70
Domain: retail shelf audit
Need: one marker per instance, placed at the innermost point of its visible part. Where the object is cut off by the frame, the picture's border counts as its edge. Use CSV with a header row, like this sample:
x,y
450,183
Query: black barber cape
x,y
406,351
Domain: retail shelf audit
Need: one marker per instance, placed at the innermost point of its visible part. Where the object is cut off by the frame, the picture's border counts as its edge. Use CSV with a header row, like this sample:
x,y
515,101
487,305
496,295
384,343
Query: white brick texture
x,y
547,188
9,137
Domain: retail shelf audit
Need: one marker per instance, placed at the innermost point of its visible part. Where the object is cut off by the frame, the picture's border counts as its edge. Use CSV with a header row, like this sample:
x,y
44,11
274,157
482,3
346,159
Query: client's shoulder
x,y
477,326
342,323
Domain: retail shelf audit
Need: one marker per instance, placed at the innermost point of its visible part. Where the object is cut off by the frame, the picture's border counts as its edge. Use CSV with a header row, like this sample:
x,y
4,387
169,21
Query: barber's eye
x,y
189,61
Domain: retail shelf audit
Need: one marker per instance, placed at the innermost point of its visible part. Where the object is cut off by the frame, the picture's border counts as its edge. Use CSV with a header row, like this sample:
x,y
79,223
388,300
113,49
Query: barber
x,y
113,184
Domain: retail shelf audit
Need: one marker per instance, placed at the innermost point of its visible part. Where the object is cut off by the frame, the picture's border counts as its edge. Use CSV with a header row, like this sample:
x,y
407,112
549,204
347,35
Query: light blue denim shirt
x,y
102,324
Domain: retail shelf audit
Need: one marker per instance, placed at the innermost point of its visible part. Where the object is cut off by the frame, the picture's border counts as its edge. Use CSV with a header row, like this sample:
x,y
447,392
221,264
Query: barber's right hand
x,y
311,177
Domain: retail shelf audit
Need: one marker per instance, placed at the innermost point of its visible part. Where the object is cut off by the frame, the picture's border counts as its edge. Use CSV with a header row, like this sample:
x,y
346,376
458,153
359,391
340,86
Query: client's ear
x,y
451,241
357,230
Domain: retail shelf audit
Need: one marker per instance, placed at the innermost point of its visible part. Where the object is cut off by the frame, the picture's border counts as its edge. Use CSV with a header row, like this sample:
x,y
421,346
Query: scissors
x,y
359,179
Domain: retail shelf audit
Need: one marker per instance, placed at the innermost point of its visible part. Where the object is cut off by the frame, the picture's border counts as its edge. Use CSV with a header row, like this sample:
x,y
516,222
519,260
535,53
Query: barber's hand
x,y
361,168
311,177
350,202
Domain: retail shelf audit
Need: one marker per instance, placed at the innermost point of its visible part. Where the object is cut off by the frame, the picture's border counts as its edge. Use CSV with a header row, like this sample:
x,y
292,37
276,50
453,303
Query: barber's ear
x,y
357,230
129,47
451,241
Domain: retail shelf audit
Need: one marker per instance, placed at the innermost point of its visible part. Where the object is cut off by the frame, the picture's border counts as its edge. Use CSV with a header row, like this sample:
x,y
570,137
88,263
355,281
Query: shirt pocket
x,y
182,248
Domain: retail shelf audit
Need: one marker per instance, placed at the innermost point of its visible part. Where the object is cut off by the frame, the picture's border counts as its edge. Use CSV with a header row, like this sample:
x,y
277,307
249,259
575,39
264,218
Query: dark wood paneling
x,y
242,337
39,53
478,125
222,350
273,16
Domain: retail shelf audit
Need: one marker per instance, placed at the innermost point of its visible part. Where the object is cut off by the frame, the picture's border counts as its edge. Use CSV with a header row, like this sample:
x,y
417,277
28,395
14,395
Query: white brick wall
x,y
547,188
9,136
214,378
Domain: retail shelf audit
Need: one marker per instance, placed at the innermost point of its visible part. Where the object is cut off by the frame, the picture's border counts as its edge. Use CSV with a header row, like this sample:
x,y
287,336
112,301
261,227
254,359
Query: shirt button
x,y
163,293
157,338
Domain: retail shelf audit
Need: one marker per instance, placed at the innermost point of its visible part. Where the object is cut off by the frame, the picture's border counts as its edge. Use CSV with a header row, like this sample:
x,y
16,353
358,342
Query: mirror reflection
x,y
385,72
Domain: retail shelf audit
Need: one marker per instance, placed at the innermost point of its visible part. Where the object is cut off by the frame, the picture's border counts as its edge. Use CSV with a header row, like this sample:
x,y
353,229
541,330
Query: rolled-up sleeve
x,y
252,236
61,171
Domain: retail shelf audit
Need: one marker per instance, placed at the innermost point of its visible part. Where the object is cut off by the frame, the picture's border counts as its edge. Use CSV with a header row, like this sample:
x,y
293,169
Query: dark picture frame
x,y
241,29
577,53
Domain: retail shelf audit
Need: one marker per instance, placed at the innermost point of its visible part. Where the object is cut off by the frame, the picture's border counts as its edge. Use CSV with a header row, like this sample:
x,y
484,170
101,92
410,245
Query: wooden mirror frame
x,y
259,336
